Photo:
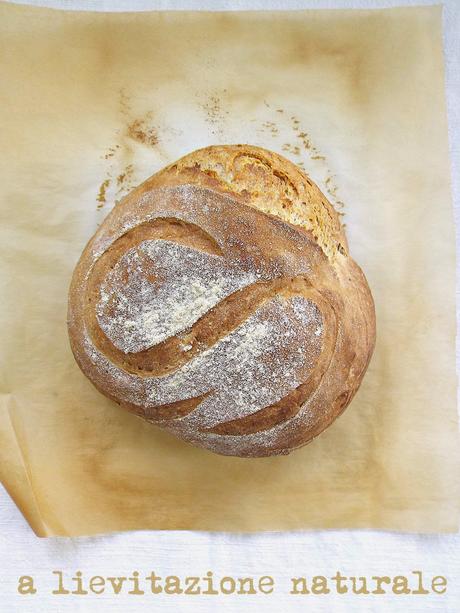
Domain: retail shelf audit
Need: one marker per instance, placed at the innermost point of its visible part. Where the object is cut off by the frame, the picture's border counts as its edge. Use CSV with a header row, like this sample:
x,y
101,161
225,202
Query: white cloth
x,y
279,555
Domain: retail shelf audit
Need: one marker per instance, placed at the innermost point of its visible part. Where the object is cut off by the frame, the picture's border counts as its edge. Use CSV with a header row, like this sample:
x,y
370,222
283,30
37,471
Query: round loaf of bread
x,y
219,302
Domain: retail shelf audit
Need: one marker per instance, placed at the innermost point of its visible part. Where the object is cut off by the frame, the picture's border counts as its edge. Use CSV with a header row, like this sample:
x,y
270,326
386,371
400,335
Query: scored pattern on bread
x,y
161,288
218,322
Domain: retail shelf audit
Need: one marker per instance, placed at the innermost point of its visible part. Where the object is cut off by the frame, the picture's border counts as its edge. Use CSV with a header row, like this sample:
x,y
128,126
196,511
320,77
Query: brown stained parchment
x,y
92,104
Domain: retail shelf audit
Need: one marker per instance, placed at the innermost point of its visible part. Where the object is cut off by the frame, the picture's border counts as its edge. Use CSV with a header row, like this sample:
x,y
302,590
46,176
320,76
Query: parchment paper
x,y
91,104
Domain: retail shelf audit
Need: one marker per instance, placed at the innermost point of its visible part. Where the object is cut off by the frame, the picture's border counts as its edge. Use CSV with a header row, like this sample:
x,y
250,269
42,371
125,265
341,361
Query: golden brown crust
x,y
278,324
261,179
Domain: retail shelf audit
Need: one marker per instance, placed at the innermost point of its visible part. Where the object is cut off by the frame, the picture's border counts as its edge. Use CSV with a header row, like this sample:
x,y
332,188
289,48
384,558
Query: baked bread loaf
x,y
219,302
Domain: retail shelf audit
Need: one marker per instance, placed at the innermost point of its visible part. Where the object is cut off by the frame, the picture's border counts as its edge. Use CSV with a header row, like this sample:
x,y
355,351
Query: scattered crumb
x,y
101,197
124,180
140,131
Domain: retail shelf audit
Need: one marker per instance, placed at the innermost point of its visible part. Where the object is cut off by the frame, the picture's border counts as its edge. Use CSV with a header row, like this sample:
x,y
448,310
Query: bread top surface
x,y
221,323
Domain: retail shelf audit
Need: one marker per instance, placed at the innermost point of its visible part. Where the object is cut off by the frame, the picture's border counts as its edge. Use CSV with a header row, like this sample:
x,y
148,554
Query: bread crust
x,y
277,323
261,179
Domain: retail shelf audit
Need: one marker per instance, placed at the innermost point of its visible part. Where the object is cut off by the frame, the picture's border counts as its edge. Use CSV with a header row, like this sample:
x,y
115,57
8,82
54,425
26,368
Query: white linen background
x,y
281,555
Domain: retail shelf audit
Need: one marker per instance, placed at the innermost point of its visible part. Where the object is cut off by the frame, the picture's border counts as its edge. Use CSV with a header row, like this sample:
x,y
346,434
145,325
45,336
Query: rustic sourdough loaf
x,y
219,302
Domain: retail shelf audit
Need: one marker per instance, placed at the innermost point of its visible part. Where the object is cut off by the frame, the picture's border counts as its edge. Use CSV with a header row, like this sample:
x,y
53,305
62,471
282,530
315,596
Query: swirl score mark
x,y
243,338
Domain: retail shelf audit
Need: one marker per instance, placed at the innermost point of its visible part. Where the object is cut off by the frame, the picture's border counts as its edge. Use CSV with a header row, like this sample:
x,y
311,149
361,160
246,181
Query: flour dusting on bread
x,y
160,288
253,367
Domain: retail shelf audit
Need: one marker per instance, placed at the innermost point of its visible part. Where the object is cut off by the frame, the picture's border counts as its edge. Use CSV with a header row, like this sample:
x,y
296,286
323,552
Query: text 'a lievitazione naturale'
x,y
61,583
